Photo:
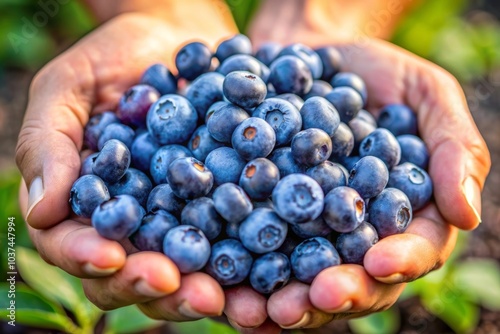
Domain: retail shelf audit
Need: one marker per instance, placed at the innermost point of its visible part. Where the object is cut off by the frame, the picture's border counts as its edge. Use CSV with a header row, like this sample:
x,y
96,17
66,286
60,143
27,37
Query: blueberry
x,y
154,227
283,159
267,52
344,209
263,231
117,131
311,147
367,117
346,79
270,272
347,101
399,119
348,162
353,246
193,60
244,89
134,183
291,241
160,77
118,217
231,202
414,182
294,99
319,88
342,141
317,112
205,91
383,145
369,176
162,159
135,103
172,119
297,198
360,130
238,44
224,120
142,150
253,138
112,162
390,212
187,247
331,60
201,213
240,63
87,164
282,116
329,175
311,256
229,262
86,194
202,143
189,178
306,54
225,164
290,74
259,177
310,229
162,198
213,108
95,126
413,150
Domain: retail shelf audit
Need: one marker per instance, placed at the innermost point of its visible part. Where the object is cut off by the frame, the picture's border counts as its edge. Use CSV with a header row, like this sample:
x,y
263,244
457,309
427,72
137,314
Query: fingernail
x,y
391,279
144,288
186,310
343,308
237,326
472,194
304,321
90,269
35,194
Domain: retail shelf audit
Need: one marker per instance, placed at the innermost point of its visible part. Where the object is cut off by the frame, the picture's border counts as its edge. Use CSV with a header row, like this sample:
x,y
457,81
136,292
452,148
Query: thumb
x,y
49,141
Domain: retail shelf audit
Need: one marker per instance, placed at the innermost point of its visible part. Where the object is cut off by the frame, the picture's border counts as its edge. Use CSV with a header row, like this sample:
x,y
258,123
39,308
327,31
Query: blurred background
x,y
463,36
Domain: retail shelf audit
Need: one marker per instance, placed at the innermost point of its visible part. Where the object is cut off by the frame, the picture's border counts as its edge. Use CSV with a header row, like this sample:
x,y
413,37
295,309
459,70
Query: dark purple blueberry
x,y
231,202
202,143
205,91
253,138
311,256
305,53
224,120
240,63
201,213
297,198
347,79
229,262
342,141
331,60
310,229
226,165
172,119
162,159
154,227
311,147
390,212
270,272
318,113
267,52
319,88
160,77
117,131
134,183
142,150
399,119
86,194
189,178
87,164
162,198
263,231
244,89
238,44
193,60
414,182
344,209
383,145
95,126
290,74
329,175
413,150
112,161
118,217
353,246
347,101
283,159
135,103
187,247
369,176
259,177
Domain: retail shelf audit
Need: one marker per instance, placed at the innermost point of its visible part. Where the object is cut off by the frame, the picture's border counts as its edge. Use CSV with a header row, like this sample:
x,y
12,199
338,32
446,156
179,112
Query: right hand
x,y
91,76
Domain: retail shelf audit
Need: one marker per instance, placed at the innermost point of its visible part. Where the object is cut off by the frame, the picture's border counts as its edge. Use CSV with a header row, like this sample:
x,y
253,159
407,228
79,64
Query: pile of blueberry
x,y
252,168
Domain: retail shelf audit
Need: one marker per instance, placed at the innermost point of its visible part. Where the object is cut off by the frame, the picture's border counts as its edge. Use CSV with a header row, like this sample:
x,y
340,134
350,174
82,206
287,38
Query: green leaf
x,y
386,322
479,279
57,285
203,326
33,309
128,320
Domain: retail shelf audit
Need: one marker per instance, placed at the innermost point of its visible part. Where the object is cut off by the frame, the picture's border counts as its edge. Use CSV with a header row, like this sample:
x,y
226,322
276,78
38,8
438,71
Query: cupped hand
x,y
90,77
458,166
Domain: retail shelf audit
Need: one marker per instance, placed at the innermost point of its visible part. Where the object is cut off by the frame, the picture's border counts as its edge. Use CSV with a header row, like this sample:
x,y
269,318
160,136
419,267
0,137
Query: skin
x,y
86,80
